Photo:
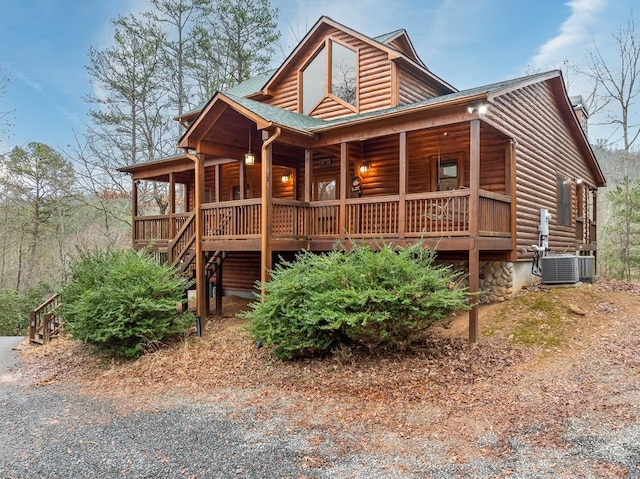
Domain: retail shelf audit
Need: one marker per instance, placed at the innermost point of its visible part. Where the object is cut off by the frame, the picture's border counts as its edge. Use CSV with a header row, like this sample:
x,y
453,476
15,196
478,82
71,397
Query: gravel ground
x,y
53,432
580,420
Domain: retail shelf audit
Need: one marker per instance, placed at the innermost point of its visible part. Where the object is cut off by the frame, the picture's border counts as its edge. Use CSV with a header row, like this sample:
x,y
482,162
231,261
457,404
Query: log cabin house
x,y
354,138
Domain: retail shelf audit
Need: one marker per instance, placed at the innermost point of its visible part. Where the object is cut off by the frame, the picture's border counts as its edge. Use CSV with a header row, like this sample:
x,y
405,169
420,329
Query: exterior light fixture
x,y
365,166
249,158
480,108
579,181
286,177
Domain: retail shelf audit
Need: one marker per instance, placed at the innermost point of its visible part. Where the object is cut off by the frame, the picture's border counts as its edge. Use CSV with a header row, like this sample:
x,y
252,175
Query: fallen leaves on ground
x,y
444,390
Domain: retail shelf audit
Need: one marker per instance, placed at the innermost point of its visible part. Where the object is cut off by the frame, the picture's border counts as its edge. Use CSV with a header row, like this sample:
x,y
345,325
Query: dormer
x,y
336,72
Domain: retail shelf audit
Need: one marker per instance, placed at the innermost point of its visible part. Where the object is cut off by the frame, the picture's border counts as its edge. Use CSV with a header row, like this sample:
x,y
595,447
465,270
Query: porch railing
x,y
156,229
432,214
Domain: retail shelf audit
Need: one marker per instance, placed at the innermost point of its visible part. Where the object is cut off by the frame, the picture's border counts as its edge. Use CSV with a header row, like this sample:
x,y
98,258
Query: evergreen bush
x,y
122,300
358,296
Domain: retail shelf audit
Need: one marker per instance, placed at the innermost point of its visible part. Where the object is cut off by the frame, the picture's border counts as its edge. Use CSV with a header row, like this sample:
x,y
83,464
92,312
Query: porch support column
x,y
202,289
474,211
344,167
266,263
402,187
510,168
219,286
242,181
134,210
308,174
218,183
308,165
172,204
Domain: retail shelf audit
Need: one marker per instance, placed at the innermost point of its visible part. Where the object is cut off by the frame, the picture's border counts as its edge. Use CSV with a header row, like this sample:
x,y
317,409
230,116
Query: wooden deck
x,y
440,217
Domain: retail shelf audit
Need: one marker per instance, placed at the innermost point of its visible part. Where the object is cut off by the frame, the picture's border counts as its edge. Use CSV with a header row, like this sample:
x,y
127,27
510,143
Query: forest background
x,y
171,59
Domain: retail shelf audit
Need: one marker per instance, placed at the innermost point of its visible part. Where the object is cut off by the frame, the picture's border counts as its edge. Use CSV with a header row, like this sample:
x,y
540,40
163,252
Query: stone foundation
x,y
496,279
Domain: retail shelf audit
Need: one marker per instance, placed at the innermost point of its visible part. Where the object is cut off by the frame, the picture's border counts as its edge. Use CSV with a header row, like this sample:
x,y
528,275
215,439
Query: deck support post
x,y
344,167
172,204
266,260
202,286
474,201
402,187
219,287
511,188
134,209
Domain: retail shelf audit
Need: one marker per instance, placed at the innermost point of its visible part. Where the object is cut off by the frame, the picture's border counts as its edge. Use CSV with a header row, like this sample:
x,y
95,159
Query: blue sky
x,y
44,45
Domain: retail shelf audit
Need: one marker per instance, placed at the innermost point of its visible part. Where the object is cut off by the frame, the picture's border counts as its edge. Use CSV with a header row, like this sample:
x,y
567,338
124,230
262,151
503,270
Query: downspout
x,y
267,207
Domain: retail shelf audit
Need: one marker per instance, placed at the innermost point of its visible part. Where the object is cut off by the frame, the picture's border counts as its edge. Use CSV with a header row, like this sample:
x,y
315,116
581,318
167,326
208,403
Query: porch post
x,y
218,183
134,210
172,204
344,166
242,180
219,286
402,187
474,200
202,290
308,166
510,168
266,263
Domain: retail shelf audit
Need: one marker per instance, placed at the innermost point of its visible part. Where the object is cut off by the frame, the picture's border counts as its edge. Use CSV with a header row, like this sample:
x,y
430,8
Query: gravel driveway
x,y
54,431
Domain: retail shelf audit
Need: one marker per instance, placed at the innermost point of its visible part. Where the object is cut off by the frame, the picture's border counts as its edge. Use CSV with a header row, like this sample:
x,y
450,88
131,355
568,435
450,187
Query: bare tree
x,y
616,86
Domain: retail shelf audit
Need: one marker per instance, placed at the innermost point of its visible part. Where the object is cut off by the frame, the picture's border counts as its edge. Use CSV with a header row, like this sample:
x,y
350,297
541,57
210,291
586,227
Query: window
x,y
313,82
337,79
447,175
326,189
564,201
343,73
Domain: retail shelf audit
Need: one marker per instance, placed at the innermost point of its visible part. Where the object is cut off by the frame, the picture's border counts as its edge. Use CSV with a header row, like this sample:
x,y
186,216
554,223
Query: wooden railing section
x,y
494,215
232,219
45,321
156,229
432,214
438,214
183,241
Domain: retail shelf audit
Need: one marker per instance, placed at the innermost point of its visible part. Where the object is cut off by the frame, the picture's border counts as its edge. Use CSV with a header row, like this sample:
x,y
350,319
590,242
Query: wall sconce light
x,y
286,177
579,181
481,109
249,158
365,166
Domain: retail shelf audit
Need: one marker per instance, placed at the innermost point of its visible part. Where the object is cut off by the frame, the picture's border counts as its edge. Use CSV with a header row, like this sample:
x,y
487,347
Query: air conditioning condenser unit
x,y
560,269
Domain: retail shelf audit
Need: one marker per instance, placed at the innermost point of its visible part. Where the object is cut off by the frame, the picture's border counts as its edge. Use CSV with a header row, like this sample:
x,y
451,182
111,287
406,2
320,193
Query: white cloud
x,y
575,32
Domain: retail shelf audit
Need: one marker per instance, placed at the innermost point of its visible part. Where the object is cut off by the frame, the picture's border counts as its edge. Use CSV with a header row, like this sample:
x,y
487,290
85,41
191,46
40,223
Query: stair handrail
x,y
175,257
45,317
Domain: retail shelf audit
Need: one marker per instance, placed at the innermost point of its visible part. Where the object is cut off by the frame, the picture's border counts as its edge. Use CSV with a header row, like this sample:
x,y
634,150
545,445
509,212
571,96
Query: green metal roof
x,y
289,119
251,86
387,36
308,124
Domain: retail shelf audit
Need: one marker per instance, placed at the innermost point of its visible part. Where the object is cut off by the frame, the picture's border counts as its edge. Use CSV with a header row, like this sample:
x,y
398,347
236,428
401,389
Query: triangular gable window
x,y
334,65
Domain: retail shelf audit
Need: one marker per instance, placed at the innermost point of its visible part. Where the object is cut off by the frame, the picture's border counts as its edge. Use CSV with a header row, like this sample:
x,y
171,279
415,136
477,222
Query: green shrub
x,y
121,300
384,298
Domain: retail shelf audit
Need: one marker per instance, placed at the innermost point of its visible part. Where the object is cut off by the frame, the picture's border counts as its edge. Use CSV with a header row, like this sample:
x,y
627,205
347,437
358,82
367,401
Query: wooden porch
x,y
440,219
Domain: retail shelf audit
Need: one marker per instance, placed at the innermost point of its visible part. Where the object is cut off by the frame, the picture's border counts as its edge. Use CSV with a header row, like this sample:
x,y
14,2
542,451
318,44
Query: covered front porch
x,y
450,185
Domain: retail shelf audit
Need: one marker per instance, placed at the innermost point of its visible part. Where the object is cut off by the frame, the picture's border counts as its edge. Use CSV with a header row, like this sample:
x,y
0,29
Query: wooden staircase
x,y
45,321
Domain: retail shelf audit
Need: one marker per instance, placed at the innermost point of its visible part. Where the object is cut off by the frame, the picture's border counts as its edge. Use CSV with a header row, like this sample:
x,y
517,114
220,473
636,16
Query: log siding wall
x,y
546,148
412,88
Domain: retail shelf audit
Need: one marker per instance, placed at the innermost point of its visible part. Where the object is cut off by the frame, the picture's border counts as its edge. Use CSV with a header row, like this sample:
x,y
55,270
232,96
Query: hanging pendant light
x,y
249,158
